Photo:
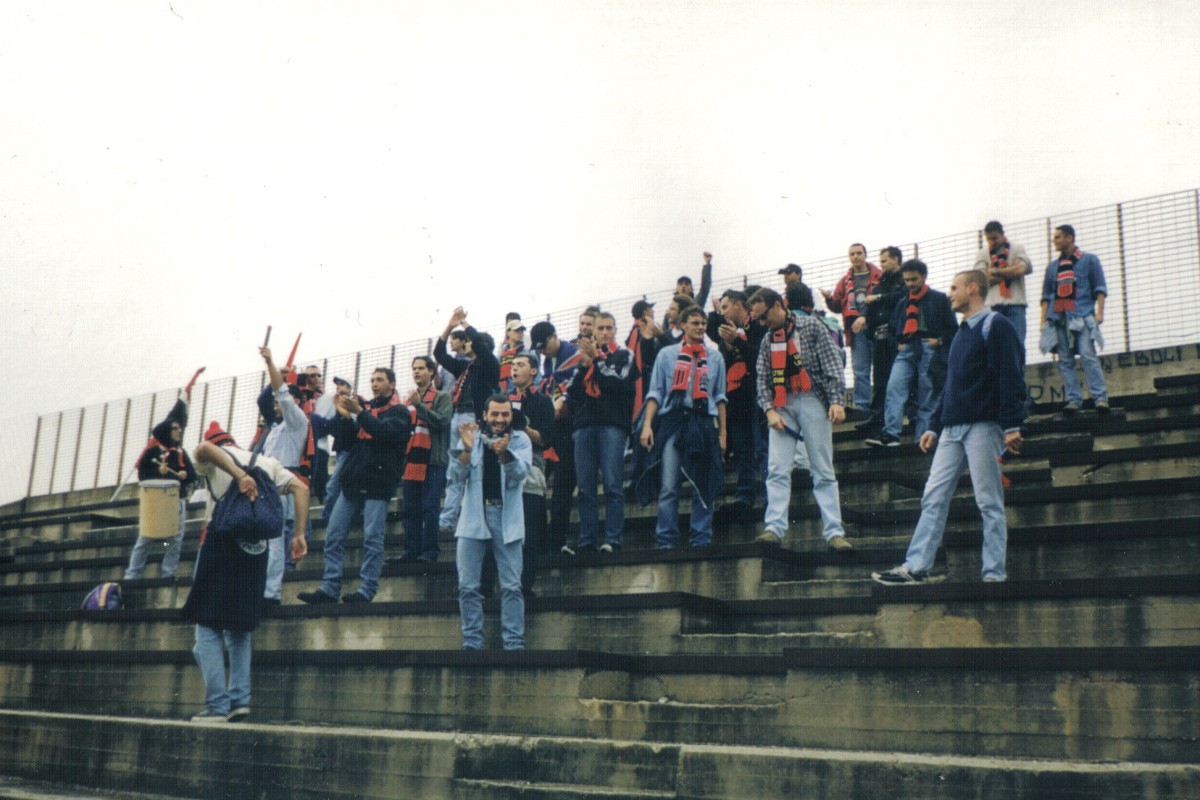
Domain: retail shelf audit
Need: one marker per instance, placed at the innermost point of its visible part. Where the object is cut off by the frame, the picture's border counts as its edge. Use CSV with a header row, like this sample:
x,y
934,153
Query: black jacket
x,y
615,376
176,458
374,465
484,378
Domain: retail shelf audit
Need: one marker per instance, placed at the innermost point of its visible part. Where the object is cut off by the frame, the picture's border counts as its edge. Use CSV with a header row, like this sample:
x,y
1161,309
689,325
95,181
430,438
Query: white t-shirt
x,y
219,480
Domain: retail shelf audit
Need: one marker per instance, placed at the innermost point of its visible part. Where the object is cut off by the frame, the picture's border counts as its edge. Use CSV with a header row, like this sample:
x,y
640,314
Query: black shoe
x,y
355,597
316,597
874,441
868,425
887,440
1102,407
272,601
407,558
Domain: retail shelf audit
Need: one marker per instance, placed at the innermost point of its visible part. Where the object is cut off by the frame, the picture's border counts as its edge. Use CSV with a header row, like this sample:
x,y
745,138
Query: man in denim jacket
x,y
492,465
1073,295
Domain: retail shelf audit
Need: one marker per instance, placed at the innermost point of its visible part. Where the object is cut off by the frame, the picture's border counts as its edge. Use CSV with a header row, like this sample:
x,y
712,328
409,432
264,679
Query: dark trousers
x,y
882,358
320,473
422,504
740,425
536,544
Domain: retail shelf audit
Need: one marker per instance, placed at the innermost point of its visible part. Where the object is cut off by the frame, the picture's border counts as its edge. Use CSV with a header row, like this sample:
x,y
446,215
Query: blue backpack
x,y
105,597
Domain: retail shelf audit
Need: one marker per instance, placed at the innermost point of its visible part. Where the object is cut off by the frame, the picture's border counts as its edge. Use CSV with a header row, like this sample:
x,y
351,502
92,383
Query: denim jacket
x,y
471,524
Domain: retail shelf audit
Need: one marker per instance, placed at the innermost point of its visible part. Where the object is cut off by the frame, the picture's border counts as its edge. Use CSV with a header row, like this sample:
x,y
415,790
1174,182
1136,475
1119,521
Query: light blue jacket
x,y
471,524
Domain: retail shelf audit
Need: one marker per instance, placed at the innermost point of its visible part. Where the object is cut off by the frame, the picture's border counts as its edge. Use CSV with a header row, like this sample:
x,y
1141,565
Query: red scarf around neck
x,y
456,392
787,366
416,456
691,371
590,384
639,387
1064,294
375,410
1000,261
737,368
912,314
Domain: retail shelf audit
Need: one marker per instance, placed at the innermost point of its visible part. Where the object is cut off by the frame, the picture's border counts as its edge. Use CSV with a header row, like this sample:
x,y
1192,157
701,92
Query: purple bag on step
x,y
105,597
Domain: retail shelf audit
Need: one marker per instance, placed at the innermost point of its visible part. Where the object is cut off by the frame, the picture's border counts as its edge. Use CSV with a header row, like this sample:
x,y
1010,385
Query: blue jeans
x,y
469,558
143,546
600,448
666,531
278,550
334,488
910,358
1070,344
806,414
980,445
1016,315
211,659
421,499
860,357
374,519
448,521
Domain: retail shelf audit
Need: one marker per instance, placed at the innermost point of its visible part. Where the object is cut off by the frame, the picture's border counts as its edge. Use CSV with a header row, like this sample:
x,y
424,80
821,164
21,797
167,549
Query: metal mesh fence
x,y
1149,248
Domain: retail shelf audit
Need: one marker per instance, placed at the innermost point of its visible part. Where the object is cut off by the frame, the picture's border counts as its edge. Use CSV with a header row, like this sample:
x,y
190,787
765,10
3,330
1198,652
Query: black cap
x,y
790,268
539,334
639,308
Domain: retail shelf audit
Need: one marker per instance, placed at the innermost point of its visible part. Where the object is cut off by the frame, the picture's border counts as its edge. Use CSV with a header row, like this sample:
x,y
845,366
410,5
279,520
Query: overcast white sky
x,y
178,175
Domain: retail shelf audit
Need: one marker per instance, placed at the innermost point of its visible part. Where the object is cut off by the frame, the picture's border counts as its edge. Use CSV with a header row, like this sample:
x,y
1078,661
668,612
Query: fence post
x,y
78,443
357,365
1121,256
229,416
100,448
124,441
1196,200
37,438
54,458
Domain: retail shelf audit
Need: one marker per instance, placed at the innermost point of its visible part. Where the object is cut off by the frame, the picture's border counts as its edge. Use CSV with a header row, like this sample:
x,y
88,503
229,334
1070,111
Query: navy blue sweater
x,y
984,380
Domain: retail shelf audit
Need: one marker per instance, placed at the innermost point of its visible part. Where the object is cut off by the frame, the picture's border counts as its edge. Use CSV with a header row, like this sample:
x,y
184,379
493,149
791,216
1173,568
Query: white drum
x,y
158,516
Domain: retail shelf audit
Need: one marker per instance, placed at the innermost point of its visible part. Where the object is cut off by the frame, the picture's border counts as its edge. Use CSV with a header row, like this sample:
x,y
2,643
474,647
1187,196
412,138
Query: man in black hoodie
x,y
377,435
601,399
476,378
880,305
164,459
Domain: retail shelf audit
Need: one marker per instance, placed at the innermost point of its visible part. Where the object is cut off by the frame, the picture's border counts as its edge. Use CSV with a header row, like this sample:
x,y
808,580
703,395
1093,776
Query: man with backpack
x,y
226,596
978,415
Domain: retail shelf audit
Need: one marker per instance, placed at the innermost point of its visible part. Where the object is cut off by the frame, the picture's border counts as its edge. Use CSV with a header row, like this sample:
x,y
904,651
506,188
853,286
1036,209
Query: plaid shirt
x,y
820,359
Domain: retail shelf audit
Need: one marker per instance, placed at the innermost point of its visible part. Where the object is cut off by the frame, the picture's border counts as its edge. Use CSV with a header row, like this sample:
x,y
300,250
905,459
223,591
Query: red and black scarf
x,y
787,366
376,410
590,384
737,370
1064,293
1000,261
691,371
416,456
912,314
639,387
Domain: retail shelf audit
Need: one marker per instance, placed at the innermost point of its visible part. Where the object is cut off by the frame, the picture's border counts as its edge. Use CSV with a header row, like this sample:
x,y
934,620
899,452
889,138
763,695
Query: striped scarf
x,y
1000,261
1064,293
692,361
376,410
416,456
912,314
787,366
738,368
506,359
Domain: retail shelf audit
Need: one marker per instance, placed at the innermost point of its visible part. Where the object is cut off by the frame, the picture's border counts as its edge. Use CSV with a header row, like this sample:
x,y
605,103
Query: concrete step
x,y
373,764
1122,704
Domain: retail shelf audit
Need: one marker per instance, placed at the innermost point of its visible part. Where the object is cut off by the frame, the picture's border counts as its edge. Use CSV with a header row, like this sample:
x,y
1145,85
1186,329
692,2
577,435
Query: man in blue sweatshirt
x,y
978,415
